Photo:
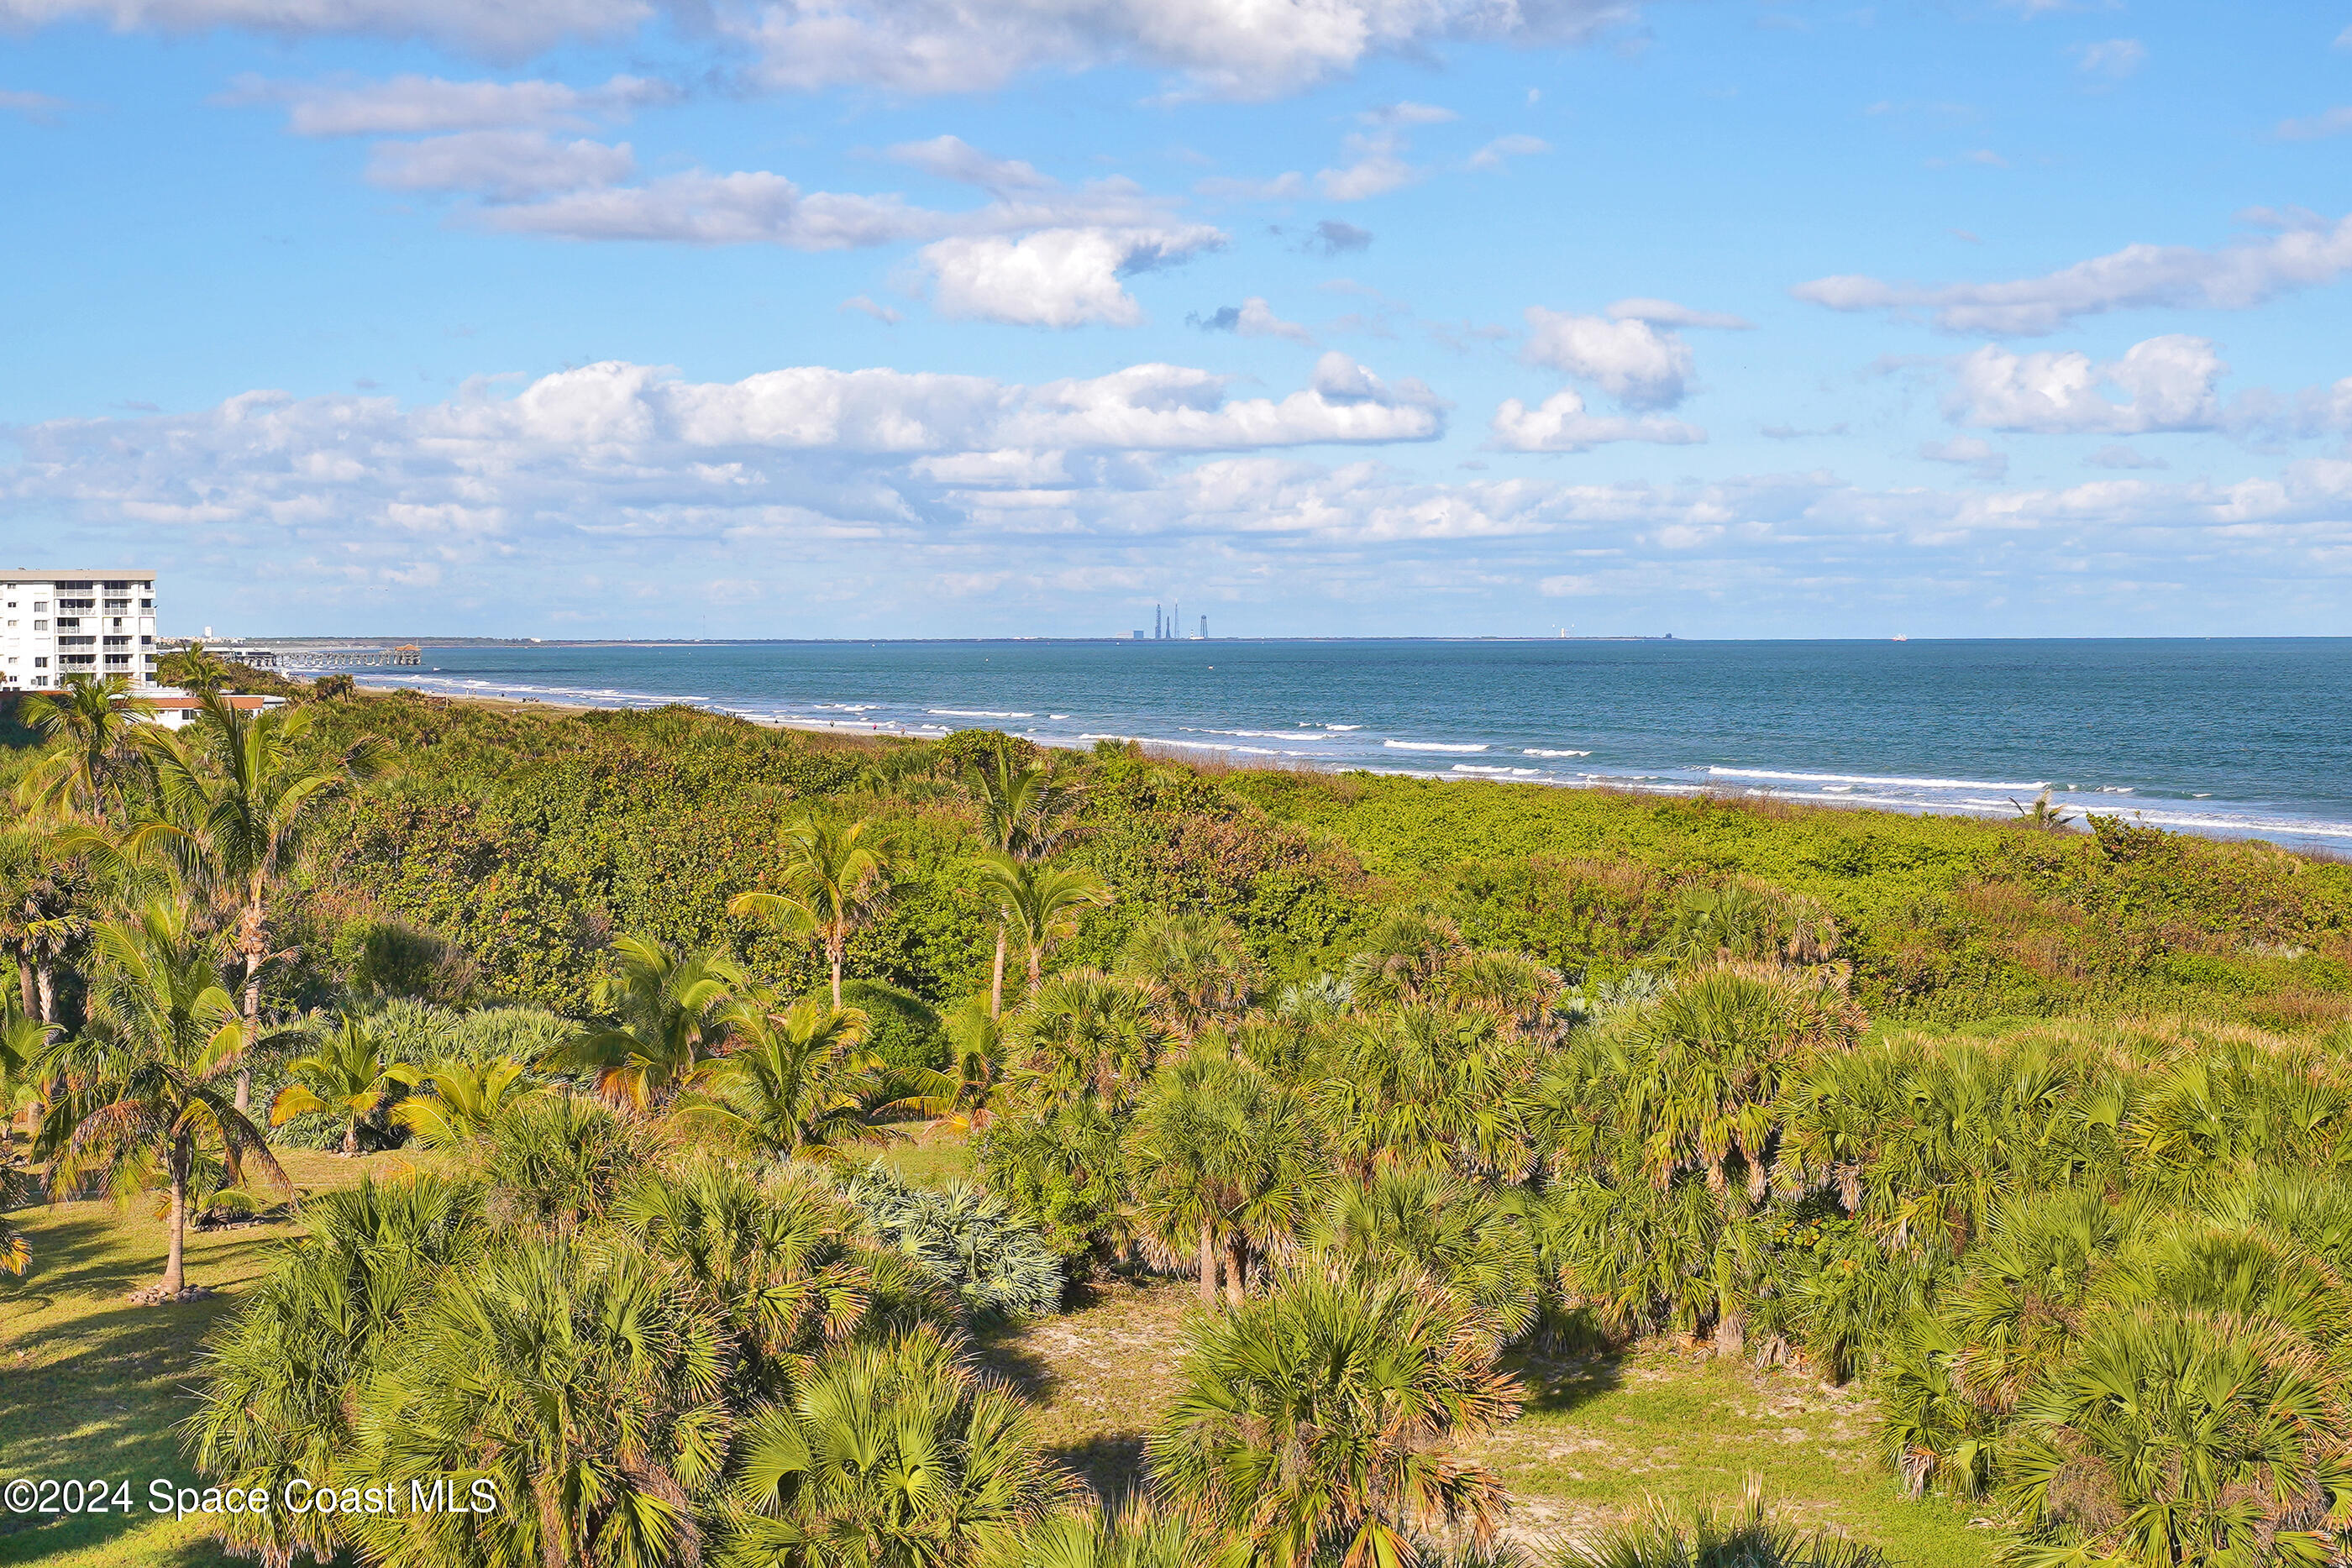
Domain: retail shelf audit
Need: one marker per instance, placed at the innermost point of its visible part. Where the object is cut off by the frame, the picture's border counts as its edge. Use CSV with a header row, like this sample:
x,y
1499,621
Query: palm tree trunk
x,y
996,975
45,977
1036,964
24,983
351,1138
249,940
1236,1270
1208,1265
174,1264
837,982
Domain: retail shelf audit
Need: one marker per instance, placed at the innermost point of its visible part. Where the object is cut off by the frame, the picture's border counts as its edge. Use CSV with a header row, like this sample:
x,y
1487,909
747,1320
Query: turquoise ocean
x,y
2242,737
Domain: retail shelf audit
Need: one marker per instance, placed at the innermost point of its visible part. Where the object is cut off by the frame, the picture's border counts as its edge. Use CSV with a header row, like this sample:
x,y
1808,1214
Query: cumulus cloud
x,y
499,165
1253,318
953,158
2235,277
1630,359
510,30
1055,277
2167,384
422,105
1223,47
1496,153
1560,423
1666,313
1378,167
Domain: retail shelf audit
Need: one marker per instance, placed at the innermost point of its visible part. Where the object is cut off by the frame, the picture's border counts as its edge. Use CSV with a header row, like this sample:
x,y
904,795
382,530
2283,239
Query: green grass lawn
x,y
90,1385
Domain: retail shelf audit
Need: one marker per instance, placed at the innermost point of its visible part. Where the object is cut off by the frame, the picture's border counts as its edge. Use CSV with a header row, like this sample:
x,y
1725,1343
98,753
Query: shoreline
x,y
2313,841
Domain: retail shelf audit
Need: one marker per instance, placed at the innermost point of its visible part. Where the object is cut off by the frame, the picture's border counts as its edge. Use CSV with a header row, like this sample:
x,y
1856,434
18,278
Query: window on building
x,y
40,625
40,664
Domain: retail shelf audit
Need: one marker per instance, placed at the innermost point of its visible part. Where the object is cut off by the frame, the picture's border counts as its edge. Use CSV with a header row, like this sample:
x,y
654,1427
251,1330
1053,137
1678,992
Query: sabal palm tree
x,y
791,1083
90,725
586,1383
670,1015
1429,1086
1323,1418
241,793
1748,1533
1043,902
1182,1153
24,1041
1403,957
836,882
1020,805
1084,1035
144,1087
1200,964
892,1454
457,1102
1457,1238
348,1072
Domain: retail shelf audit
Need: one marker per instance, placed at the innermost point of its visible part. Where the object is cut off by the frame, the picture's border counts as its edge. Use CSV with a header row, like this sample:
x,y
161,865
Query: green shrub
x,y
903,1030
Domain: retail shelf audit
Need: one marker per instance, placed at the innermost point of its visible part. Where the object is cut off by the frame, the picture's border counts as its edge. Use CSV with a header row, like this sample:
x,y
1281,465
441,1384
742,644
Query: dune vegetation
x,y
689,1142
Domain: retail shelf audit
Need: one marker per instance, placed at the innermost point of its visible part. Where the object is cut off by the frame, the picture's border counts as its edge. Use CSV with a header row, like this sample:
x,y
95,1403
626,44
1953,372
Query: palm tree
x,y
586,1383
1019,805
1200,964
1086,1035
671,1015
1322,1417
200,670
1403,957
458,1102
242,795
348,1072
836,882
1182,1153
91,726
792,1084
1043,902
145,1084
893,1454
1457,1238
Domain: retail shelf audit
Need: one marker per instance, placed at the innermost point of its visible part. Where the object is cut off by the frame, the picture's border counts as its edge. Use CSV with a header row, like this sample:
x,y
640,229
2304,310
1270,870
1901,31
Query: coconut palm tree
x,y
200,670
90,725
1020,805
1323,1418
792,1084
24,1041
240,793
892,1454
836,882
1200,966
670,1015
348,1072
144,1087
456,1102
1043,902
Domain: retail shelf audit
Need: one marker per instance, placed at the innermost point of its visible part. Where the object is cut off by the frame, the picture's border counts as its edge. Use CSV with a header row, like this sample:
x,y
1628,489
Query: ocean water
x,y
2236,738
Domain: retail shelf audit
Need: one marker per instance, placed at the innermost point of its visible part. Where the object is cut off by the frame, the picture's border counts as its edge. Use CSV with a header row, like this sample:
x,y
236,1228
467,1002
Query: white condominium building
x,y
54,624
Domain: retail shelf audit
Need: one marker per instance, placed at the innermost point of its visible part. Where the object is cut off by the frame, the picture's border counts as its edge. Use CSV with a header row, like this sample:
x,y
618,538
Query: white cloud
x,y
1235,49
953,158
1055,277
1630,361
509,30
2333,122
1253,318
1970,452
1286,187
1562,424
720,209
1408,113
2167,382
1666,313
499,165
865,307
2234,277
424,106
2111,59
1493,154
1377,168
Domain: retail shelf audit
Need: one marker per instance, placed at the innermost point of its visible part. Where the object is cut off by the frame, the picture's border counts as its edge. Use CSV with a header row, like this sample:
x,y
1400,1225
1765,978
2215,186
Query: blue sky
x,y
758,317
